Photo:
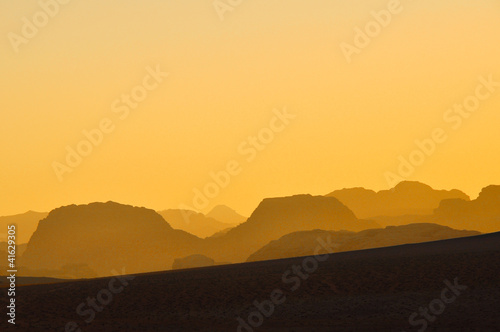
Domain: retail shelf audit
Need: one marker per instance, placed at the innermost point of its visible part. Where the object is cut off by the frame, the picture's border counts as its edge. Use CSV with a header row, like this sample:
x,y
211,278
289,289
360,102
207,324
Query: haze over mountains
x,y
26,224
100,239
226,215
482,213
407,198
195,223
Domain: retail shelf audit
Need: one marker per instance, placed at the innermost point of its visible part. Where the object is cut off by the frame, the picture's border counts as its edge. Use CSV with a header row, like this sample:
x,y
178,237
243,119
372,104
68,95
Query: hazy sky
x,y
352,120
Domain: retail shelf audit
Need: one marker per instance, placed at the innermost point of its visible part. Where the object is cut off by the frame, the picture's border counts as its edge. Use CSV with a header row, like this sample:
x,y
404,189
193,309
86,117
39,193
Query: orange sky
x,y
352,120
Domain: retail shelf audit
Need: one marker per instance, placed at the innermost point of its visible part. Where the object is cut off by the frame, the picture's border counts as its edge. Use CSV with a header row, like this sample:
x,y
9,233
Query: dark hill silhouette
x,y
305,243
399,235
298,244
403,220
107,237
193,261
193,222
407,198
26,225
226,215
220,233
31,281
482,213
275,217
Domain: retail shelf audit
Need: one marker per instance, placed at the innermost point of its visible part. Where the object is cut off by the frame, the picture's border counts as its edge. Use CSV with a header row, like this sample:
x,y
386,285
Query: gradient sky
x,y
226,77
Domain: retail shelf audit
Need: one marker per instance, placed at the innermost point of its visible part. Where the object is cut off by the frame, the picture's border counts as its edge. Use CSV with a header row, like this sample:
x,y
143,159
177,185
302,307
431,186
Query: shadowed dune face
x,y
370,290
107,237
406,198
276,217
305,243
193,222
482,213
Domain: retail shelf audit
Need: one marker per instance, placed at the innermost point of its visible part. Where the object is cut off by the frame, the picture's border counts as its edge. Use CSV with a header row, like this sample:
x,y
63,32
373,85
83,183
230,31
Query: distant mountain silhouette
x,y
226,215
482,213
192,261
275,217
306,243
106,237
26,224
193,222
407,198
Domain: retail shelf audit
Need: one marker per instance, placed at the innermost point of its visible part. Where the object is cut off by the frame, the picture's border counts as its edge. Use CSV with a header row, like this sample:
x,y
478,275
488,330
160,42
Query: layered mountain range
x,y
194,222
102,239
407,198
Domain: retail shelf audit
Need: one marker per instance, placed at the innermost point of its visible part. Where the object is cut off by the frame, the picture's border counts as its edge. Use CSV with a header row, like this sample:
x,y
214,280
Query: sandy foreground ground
x,y
370,290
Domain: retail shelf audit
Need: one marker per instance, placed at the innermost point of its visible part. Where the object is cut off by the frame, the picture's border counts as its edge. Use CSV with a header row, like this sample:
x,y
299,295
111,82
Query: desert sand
x,y
369,290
